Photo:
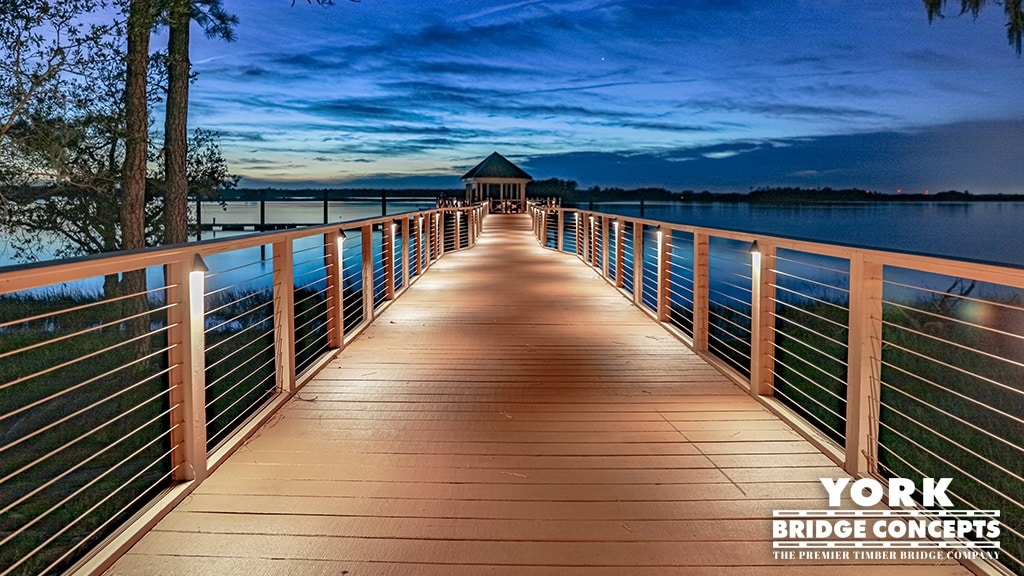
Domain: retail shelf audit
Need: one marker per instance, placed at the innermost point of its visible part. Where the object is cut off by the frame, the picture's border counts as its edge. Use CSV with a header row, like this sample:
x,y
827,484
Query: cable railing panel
x,y
627,257
397,247
311,301
239,322
729,308
551,229
811,309
952,399
649,267
379,266
448,221
680,272
352,281
570,231
83,402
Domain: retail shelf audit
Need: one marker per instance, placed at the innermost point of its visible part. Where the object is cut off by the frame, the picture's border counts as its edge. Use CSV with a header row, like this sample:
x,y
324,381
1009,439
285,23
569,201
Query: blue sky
x,y
688,94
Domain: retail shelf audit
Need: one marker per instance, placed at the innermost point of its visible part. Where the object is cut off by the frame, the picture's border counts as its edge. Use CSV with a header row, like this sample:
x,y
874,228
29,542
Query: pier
x,y
503,409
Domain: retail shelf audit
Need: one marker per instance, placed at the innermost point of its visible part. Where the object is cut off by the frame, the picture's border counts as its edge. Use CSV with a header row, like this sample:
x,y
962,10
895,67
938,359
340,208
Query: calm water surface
x,y
984,231
989,232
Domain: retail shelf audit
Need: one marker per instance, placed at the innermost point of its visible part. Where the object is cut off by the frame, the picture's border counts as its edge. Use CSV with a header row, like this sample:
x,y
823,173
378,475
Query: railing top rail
x,y
1005,274
38,274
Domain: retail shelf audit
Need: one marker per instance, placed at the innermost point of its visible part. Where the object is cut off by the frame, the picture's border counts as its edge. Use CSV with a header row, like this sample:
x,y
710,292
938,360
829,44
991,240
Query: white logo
x,y
872,532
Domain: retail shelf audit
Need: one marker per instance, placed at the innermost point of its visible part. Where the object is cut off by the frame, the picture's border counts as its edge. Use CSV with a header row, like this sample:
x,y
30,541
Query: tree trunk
x,y
133,178
176,124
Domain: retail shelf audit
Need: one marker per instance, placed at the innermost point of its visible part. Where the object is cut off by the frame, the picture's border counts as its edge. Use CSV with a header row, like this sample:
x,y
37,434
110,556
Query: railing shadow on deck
x,y
894,365
126,379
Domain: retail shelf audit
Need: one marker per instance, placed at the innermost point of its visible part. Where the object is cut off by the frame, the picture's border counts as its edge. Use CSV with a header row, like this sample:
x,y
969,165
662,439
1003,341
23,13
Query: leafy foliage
x,y
1013,9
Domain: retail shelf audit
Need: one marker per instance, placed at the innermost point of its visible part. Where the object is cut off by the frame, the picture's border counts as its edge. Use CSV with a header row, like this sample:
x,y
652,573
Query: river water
x,y
984,231
233,213
979,231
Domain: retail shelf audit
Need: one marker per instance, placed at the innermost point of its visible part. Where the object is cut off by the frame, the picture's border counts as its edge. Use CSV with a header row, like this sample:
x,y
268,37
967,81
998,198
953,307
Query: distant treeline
x,y
792,195
570,193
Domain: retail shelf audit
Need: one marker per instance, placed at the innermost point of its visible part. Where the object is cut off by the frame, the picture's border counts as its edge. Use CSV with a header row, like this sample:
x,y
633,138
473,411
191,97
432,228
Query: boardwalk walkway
x,y
510,414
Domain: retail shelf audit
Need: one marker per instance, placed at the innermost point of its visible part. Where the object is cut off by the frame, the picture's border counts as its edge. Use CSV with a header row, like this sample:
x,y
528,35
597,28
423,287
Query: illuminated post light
x,y
196,287
661,253
762,321
755,258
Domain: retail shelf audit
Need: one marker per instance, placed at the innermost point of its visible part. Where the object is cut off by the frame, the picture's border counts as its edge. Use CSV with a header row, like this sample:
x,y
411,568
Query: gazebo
x,y
499,181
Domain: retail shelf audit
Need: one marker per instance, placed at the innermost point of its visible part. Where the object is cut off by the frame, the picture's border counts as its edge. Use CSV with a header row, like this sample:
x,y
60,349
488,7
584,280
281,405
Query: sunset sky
x,y
685,94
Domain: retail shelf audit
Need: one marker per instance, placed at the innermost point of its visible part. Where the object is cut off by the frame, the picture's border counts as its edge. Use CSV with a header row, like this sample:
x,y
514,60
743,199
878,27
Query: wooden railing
x,y
126,379
894,365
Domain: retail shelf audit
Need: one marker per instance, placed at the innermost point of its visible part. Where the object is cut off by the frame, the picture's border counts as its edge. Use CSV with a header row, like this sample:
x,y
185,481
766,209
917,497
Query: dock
x,y
512,414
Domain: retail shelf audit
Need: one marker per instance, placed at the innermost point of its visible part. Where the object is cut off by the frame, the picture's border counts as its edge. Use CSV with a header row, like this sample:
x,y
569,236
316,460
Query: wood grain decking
x,y
511,414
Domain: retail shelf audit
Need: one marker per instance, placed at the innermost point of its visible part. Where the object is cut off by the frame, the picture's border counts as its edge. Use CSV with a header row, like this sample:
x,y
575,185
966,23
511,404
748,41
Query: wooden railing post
x,y
864,366
478,215
664,269
762,319
581,228
701,290
458,230
588,238
334,246
638,262
440,233
367,268
187,357
560,240
406,275
284,315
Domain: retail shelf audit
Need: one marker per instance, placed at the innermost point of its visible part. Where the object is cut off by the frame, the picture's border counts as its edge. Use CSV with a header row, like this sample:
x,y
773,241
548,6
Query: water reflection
x,y
983,231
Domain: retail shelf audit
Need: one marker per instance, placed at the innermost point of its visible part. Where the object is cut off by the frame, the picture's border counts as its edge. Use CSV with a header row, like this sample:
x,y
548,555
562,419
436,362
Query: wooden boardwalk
x,y
510,414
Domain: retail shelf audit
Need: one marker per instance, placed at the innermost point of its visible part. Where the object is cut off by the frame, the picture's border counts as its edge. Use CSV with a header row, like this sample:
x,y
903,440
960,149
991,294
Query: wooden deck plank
x,y
157,565
511,414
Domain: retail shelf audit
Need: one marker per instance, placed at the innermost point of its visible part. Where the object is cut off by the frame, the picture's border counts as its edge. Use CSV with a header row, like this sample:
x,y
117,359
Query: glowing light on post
x,y
755,258
661,237
197,287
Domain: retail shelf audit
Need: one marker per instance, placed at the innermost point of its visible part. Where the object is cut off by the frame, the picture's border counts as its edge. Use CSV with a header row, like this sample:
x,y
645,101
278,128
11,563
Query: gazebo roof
x,y
497,166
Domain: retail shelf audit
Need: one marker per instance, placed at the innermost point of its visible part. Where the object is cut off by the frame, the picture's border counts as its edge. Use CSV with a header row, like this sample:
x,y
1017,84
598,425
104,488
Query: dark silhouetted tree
x,y
215,22
1013,9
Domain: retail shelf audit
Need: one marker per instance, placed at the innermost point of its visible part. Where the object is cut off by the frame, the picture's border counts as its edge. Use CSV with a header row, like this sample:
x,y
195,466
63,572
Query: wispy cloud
x,y
673,83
